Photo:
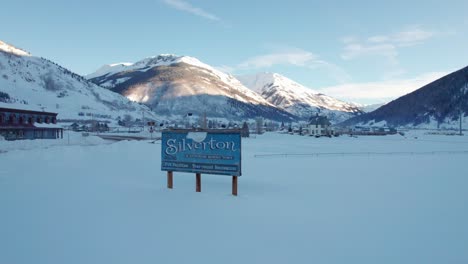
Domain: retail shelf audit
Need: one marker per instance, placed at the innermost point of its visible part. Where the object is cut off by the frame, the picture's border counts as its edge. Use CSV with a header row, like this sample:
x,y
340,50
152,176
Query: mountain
x,y
297,99
177,85
433,105
366,108
34,83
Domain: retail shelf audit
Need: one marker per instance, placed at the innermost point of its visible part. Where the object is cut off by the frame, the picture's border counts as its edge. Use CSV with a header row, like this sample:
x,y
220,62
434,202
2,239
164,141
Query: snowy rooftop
x,y
44,125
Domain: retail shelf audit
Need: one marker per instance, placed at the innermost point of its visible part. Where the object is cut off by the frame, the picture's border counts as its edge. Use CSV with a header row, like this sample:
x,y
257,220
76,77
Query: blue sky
x,y
361,51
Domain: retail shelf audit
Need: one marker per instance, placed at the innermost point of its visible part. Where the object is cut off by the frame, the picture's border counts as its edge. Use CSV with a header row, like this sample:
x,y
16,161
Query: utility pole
x,y
461,115
463,91
143,120
189,120
204,124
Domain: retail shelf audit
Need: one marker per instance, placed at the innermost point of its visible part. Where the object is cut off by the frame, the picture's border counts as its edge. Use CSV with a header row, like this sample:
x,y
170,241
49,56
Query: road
x,y
120,137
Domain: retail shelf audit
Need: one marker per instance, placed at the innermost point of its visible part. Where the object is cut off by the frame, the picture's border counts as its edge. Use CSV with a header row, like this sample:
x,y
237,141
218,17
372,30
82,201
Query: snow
x,y
232,87
13,50
367,108
110,84
45,125
159,60
109,204
257,82
35,83
109,69
69,139
296,98
447,123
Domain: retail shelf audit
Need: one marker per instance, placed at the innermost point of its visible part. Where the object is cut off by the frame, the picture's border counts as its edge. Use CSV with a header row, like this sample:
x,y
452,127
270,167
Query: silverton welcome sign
x,y
203,151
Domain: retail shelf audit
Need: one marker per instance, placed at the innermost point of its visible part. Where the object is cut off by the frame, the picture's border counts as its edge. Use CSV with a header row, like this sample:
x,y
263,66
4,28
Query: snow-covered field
x,y
109,203
70,138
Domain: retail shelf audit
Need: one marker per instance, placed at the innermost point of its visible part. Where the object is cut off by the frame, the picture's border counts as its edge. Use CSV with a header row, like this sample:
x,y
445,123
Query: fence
x,y
328,154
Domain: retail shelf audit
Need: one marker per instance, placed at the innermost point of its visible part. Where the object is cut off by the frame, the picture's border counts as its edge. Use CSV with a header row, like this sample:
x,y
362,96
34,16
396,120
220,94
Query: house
x,y
75,127
320,126
25,124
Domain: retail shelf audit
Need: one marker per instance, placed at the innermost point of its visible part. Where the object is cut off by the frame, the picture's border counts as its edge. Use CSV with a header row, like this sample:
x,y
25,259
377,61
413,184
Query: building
x,y
372,131
320,126
25,124
75,127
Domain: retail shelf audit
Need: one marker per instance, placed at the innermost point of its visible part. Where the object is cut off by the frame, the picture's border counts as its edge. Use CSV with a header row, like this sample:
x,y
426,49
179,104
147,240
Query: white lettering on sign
x,y
174,147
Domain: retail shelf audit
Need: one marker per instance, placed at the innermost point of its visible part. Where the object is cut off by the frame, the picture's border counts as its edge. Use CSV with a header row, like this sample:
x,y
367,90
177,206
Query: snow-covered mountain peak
x,y
107,77
296,98
170,59
12,49
109,69
177,84
158,60
262,82
367,108
149,62
120,64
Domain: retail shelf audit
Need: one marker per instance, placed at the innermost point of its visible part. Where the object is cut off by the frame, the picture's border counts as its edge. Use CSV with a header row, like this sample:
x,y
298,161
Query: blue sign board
x,y
210,151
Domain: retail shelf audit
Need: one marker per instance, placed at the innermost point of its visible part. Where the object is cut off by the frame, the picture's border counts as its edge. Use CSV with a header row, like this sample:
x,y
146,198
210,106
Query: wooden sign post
x,y
207,151
169,179
234,185
198,182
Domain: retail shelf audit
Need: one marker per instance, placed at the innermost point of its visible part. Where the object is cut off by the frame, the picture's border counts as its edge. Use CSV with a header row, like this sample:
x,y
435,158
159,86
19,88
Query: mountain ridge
x,y
298,99
35,83
173,84
435,104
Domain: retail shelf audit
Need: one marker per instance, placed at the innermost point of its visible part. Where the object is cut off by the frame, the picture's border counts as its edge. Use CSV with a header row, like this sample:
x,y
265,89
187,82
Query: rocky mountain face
x,y
177,85
29,82
434,105
297,99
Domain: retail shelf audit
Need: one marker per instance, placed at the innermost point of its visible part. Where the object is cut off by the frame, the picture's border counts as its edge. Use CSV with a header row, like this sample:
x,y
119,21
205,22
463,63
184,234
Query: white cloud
x,y
355,50
349,39
381,91
295,57
393,74
385,45
187,7
335,71
408,37
411,37
291,56
378,39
